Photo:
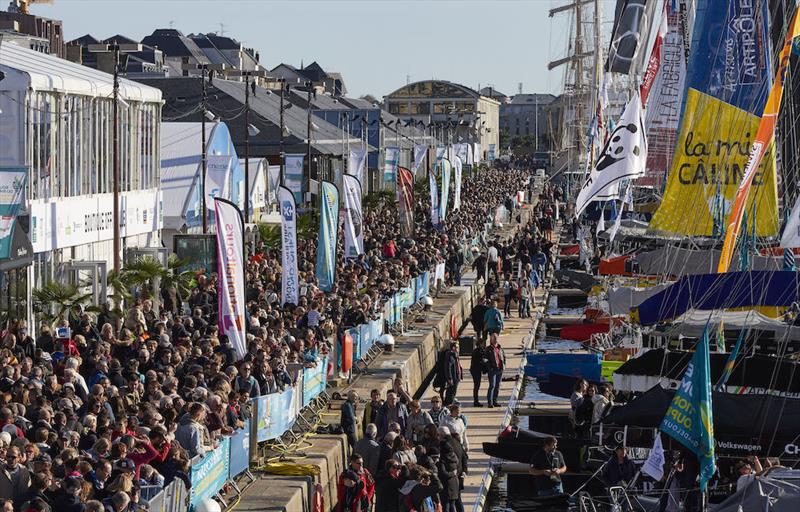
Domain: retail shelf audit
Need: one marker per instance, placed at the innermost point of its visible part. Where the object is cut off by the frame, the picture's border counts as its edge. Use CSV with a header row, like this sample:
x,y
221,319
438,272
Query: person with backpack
x,y
477,367
418,492
493,319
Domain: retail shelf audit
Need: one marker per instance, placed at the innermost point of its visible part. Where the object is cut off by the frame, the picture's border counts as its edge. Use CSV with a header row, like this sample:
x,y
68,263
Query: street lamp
x,y
116,49
309,129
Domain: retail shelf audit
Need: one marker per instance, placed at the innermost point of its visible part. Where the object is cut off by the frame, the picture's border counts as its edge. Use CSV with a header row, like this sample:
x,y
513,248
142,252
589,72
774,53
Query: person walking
x,y
493,320
392,411
453,373
479,266
508,295
495,364
476,317
348,418
492,258
477,367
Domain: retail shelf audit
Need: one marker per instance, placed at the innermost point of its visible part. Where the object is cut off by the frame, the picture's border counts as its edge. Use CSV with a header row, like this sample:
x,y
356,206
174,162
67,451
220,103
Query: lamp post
x,y
309,88
116,49
282,155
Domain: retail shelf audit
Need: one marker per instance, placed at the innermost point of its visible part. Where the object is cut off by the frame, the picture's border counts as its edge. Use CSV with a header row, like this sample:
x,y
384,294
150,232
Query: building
x,y
48,33
57,123
525,115
493,93
325,82
226,50
149,62
181,53
458,113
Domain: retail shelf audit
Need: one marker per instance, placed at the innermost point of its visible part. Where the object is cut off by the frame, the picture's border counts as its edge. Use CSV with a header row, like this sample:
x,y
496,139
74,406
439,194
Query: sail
x,y
728,76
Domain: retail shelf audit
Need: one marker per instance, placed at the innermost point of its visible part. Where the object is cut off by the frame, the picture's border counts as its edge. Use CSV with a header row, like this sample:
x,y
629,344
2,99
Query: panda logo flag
x,y
623,157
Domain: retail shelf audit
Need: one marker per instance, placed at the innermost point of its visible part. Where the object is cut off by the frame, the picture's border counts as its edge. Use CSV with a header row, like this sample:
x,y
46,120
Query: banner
x,y
276,414
707,167
434,190
289,280
654,64
420,152
623,156
218,177
231,268
731,362
274,183
328,236
405,189
422,286
457,165
461,151
654,465
791,233
314,381
491,156
391,160
357,163
293,175
440,151
445,167
240,451
210,473
763,140
689,419
353,221
628,24
12,194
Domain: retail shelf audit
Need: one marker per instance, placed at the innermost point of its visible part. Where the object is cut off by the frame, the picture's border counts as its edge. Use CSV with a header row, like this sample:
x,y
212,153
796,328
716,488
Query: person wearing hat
x,y
449,472
619,470
351,492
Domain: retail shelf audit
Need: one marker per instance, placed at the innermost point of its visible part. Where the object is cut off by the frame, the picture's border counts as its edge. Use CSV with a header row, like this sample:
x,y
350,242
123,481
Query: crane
x,y
21,6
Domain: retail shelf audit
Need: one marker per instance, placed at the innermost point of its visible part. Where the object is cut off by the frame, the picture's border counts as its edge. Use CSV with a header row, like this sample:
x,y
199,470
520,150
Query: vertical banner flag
x,y
791,233
391,160
353,221
727,84
12,194
218,176
470,155
731,362
420,151
440,151
445,167
293,175
491,156
764,135
274,182
289,280
689,418
230,262
625,35
623,156
462,152
434,196
357,163
654,64
405,188
457,166
328,235
654,465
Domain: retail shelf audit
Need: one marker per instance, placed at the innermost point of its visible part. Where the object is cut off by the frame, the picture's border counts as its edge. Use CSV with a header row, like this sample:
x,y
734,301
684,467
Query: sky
x,y
377,45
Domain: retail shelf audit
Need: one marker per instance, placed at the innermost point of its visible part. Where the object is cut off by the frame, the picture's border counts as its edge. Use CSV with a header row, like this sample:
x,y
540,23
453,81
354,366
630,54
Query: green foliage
x,y
270,235
378,198
54,300
308,225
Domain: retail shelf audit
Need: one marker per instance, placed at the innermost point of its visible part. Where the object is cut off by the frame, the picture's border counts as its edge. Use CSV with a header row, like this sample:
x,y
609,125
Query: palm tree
x,y
308,225
59,297
144,274
175,275
378,198
270,235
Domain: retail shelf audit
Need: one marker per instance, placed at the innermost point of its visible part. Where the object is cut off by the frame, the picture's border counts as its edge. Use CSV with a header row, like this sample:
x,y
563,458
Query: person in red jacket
x,y
351,492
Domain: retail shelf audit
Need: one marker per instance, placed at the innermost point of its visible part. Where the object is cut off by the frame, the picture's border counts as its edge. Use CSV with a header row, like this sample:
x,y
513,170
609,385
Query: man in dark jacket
x,y
453,374
476,317
392,411
620,469
495,364
348,418
388,484
447,465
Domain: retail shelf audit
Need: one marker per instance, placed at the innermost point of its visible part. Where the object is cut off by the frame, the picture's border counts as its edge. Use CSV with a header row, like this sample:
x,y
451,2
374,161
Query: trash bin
x,y
466,344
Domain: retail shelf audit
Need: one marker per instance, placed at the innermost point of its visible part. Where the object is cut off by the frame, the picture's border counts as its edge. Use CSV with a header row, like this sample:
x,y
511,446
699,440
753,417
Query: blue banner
x,y
355,335
491,156
210,473
689,418
239,452
12,193
407,297
422,286
314,381
293,175
729,59
276,414
397,309
328,234
391,161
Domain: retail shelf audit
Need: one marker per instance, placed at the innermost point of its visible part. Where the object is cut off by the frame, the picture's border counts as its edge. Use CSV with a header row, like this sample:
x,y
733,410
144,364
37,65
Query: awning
x,y
21,249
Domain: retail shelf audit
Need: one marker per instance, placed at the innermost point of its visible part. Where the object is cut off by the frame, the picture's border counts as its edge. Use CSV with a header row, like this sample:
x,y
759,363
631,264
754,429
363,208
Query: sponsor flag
x,y
357,163
274,182
353,221
230,263
491,155
391,160
731,362
461,151
293,175
440,151
654,465
12,194
601,222
689,418
405,187
218,176
623,156
434,190
628,22
457,167
290,290
654,64
763,140
420,151
328,235
445,167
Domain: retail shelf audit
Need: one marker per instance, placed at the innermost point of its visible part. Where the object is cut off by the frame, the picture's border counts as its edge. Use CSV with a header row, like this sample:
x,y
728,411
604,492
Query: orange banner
x,y
766,130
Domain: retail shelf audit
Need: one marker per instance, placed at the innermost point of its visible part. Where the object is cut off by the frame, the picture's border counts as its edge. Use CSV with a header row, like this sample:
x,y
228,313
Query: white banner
x,y
289,279
623,156
357,163
440,151
274,182
791,233
457,165
353,221
12,196
434,198
230,258
391,161
420,151
654,465
218,177
461,151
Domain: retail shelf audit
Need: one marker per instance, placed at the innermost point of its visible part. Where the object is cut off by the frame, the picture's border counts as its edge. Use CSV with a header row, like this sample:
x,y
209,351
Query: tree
x,y
270,235
58,297
145,273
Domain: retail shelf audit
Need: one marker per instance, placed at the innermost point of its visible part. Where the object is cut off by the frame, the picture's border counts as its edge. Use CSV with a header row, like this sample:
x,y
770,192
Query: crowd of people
x,y
101,410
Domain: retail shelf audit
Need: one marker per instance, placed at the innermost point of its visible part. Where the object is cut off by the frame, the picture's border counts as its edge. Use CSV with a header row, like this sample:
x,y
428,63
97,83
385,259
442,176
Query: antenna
x,y
221,29
408,79
519,87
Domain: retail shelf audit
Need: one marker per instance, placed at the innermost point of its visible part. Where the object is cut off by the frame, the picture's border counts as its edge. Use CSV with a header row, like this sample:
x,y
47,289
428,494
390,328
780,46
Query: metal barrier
x,y
172,498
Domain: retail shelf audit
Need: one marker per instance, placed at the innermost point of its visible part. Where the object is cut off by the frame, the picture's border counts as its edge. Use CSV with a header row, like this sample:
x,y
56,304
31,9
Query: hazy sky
x,y
376,44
